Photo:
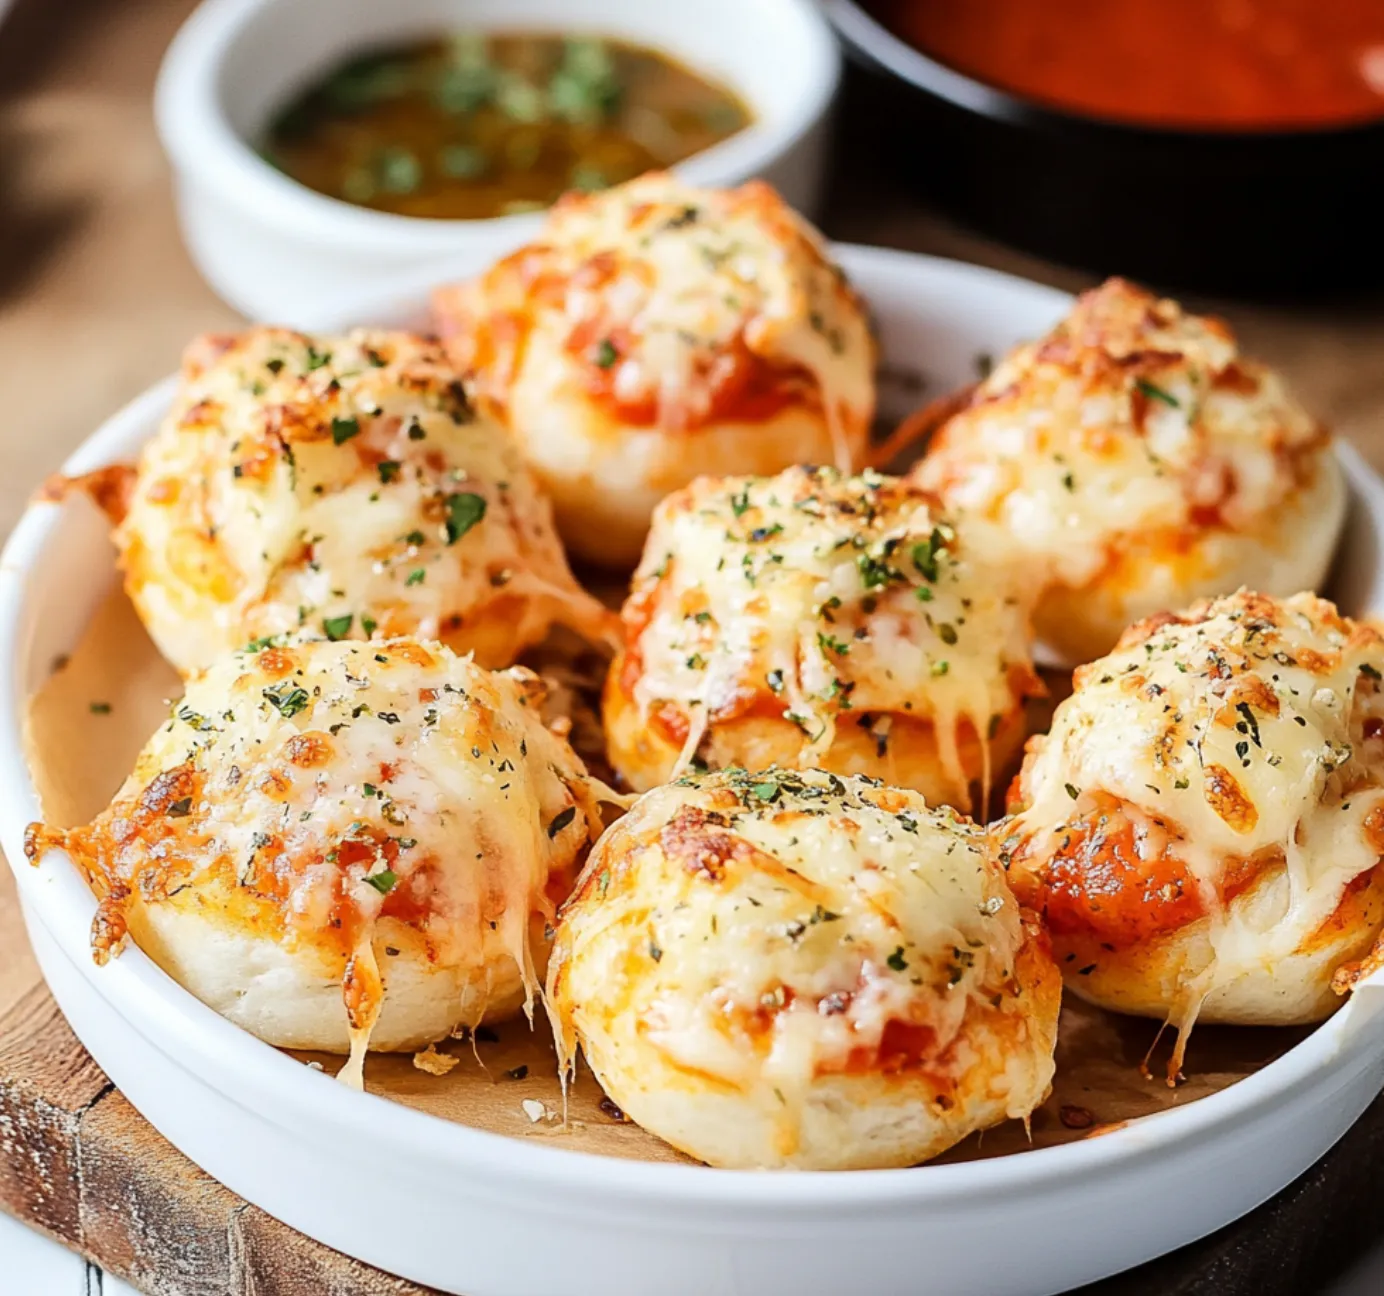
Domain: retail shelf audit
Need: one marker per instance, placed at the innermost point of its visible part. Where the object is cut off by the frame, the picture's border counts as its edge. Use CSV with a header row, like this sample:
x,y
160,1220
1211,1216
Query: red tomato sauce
x,y
1212,64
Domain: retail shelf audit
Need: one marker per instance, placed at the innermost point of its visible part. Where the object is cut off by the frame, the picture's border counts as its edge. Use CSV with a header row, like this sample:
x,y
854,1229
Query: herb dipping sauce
x,y
474,126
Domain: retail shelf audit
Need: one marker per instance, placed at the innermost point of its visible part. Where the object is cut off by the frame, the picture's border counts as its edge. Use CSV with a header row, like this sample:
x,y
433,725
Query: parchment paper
x,y
90,719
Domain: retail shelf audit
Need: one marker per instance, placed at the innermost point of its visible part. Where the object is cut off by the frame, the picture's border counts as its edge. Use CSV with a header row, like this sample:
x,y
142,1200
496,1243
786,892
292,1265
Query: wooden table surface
x,y
97,298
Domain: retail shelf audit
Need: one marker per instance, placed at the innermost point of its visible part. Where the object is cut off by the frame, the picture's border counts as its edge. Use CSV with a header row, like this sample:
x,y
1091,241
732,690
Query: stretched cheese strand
x,y
363,992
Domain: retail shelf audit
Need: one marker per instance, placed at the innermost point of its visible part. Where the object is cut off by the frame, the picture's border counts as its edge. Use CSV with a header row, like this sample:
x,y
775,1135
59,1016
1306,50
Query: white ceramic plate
x,y
486,1215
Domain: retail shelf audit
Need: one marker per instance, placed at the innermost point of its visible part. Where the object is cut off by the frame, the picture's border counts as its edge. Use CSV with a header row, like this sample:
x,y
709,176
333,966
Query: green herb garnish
x,y
874,572
287,700
464,510
343,429
925,554
1154,392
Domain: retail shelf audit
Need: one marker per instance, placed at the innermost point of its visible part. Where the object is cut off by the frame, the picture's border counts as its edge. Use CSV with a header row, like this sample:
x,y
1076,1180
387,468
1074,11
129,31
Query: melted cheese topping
x,y
342,484
1247,730
671,297
770,929
307,791
826,600
1131,422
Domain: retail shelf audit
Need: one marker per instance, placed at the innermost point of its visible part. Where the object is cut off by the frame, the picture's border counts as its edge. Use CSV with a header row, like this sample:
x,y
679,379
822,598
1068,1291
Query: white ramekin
x,y
277,251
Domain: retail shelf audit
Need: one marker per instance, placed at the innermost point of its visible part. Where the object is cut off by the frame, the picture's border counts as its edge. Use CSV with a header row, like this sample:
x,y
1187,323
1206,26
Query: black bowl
x,y
1287,213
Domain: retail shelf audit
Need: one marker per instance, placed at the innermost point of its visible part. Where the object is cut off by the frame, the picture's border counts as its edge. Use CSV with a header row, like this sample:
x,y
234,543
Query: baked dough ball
x,y
345,486
798,970
1202,827
654,332
812,619
386,824
1133,461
